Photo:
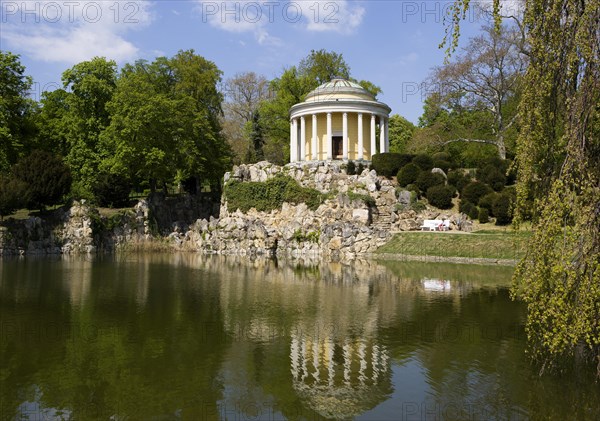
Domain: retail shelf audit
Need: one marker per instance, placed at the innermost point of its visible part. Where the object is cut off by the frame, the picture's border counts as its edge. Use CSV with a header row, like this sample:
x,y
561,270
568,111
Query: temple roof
x,y
339,89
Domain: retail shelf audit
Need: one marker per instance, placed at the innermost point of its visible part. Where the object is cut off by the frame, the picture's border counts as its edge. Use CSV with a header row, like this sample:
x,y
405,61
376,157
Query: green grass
x,y
482,244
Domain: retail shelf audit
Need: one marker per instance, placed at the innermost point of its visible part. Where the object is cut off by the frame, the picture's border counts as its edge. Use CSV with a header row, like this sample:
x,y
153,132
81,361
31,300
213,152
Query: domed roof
x,y
339,89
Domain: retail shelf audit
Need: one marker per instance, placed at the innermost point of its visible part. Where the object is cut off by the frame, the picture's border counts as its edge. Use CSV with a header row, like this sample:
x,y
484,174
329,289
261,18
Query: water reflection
x,y
190,337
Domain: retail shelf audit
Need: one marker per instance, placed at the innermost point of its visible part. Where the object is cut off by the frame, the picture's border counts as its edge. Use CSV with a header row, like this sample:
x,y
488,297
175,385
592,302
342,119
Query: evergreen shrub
x,y
408,174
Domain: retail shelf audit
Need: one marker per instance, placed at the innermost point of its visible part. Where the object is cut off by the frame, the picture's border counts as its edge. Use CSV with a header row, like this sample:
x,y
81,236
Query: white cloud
x,y
240,17
71,32
336,16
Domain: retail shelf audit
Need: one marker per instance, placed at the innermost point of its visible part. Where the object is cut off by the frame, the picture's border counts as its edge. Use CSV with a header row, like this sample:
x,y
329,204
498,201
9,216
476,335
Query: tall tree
x,y
558,162
73,118
165,121
484,77
401,131
243,95
16,128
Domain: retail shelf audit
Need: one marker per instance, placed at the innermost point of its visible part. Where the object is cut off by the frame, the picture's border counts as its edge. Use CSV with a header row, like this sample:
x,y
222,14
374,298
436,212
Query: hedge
x,y
387,164
425,162
269,195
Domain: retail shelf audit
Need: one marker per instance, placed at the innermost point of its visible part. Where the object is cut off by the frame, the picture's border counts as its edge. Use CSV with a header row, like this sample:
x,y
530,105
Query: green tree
x,y
485,77
73,118
11,195
46,179
16,109
165,121
400,131
241,125
558,162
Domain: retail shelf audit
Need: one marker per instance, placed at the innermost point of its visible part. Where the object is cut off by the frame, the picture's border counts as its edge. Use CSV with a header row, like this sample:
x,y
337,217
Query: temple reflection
x,y
340,379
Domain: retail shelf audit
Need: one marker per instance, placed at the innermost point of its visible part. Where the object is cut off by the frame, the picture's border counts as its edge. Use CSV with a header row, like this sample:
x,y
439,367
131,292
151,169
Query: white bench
x,y
435,225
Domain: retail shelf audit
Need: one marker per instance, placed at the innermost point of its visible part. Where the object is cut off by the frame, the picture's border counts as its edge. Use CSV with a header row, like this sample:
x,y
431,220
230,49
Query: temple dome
x,y
337,89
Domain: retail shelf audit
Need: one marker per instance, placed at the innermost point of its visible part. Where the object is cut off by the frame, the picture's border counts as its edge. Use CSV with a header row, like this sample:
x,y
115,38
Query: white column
x,y
387,135
294,141
345,136
373,137
315,140
329,145
360,137
381,134
302,139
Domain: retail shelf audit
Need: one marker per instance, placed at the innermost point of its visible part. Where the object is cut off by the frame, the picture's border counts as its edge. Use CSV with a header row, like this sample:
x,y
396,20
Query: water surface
x,y
206,338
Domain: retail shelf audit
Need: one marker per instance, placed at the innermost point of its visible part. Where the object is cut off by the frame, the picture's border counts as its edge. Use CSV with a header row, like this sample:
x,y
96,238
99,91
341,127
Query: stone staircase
x,y
382,220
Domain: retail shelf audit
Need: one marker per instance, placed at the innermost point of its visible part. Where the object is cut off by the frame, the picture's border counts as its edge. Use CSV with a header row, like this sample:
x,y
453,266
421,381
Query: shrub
x,y
111,190
441,156
413,188
408,174
444,165
465,207
351,168
425,162
487,201
474,191
365,198
387,164
418,206
474,212
360,168
269,195
492,176
502,209
458,179
484,216
46,176
440,196
11,195
426,179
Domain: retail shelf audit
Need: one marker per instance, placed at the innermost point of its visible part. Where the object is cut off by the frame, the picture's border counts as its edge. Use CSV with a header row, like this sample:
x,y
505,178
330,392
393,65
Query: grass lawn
x,y
489,244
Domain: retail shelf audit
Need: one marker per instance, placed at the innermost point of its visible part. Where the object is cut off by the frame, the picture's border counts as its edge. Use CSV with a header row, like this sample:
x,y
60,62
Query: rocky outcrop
x,y
361,213
335,229
66,231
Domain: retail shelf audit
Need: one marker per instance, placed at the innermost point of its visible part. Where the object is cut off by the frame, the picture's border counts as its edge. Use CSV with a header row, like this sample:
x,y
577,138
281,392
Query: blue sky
x,y
392,43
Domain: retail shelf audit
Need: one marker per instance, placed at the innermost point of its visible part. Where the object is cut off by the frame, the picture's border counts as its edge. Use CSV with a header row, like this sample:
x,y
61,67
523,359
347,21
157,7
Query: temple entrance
x,y
337,147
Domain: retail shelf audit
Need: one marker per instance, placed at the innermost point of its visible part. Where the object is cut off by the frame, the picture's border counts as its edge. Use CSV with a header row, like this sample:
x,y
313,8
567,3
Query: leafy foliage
x,y
16,109
473,191
502,209
387,164
424,161
46,179
440,196
111,190
351,168
408,174
400,132
427,179
165,121
11,195
269,195
458,179
484,215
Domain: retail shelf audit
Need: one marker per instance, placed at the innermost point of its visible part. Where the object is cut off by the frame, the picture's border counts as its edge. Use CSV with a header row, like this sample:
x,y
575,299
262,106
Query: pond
x,y
185,336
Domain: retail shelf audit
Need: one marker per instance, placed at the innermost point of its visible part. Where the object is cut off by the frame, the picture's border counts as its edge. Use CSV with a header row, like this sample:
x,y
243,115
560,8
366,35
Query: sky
x,y
392,43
